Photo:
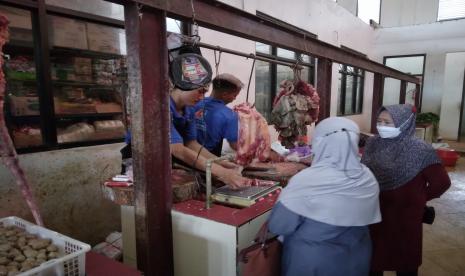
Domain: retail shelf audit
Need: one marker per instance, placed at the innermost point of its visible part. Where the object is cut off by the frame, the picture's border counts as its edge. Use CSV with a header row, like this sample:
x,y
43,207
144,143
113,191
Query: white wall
x,y
350,5
396,13
434,40
452,97
309,15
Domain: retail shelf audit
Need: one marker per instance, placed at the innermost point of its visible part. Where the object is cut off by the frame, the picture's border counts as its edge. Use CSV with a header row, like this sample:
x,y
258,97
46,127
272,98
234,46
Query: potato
x,y
4,260
10,233
26,247
42,255
52,255
5,247
20,258
30,253
39,243
13,273
31,236
3,270
13,264
13,253
52,248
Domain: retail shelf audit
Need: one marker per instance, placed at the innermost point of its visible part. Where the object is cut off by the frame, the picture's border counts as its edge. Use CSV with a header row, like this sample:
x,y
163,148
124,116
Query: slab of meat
x,y
294,108
254,137
7,151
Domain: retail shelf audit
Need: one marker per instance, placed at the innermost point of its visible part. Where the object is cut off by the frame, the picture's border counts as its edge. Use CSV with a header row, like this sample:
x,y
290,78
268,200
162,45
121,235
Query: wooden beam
x,y
149,100
221,17
323,86
418,97
378,91
403,91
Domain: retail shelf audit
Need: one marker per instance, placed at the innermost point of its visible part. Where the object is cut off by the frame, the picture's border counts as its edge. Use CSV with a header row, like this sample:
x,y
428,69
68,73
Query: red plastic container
x,y
448,156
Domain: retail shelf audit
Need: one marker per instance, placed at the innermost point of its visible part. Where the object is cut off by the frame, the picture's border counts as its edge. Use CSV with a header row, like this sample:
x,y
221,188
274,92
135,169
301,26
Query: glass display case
x,y
22,114
86,82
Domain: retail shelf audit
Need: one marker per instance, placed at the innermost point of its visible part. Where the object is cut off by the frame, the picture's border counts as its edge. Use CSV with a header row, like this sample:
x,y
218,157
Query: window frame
x,y
357,107
416,75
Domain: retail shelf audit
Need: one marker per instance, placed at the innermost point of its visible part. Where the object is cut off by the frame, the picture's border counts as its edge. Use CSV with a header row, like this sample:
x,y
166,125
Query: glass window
x,y
451,9
368,9
410,65
97,7
286,53
173,25
391,91
263,96
262,48
268,76
22,113
350,92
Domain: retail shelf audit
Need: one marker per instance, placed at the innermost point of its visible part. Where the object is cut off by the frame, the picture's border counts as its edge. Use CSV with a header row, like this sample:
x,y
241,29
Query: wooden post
x,y
403,91
378,91
150,125
323,86
418,97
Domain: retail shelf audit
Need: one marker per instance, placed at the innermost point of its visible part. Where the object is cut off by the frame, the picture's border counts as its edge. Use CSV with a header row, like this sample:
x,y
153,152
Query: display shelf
x,y
83,53
87,115
84,84
68,145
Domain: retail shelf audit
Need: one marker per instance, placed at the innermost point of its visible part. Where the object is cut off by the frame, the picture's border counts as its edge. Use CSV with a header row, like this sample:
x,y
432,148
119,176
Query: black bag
x,y
429,215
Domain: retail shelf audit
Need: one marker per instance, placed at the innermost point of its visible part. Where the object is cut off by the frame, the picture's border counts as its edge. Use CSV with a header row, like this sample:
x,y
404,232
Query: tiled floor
x,y
444,241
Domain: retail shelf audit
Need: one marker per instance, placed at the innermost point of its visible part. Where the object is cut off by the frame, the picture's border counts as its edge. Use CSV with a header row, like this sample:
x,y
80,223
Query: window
x,y
269,75
350,93
368,9
451,9
173,25
410,64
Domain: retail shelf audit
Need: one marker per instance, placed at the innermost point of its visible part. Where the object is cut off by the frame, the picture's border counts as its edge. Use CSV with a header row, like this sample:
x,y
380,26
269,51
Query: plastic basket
x,y
73,261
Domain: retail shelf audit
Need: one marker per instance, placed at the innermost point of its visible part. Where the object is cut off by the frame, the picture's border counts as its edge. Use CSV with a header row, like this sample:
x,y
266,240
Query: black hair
x,y
223,85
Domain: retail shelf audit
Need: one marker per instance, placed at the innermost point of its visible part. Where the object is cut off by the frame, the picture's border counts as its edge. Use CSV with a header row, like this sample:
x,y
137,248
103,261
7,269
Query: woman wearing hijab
x,y
409,174
323,213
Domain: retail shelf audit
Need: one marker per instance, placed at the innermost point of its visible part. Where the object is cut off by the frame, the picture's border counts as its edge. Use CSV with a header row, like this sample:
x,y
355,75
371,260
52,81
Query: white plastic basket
x,y
74,252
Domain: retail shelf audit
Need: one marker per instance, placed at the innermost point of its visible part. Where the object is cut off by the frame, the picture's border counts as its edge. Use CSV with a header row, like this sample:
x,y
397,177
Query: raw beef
x,y
254,136
294,108
7,150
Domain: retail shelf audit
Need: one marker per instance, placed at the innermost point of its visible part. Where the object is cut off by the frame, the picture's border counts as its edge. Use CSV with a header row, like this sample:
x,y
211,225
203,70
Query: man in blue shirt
x,y
183,144
215,121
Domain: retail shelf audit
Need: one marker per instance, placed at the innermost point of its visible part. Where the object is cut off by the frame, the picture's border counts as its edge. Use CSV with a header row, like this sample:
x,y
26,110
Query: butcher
x,y
214,120
190,75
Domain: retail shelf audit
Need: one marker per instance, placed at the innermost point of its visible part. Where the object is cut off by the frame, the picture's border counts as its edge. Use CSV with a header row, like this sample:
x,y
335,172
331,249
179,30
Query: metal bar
x,y
251,55
208,176
342,99
20,3
60,11
44,81
221,17
149,94
323,86
378,91
403,92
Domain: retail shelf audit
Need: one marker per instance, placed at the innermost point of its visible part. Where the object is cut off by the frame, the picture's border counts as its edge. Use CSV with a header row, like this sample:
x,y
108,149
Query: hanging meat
x,y
8,153
294,108
254,137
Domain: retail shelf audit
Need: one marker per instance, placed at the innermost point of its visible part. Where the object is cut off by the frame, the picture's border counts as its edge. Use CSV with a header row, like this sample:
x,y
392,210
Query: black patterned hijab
x,y
396,161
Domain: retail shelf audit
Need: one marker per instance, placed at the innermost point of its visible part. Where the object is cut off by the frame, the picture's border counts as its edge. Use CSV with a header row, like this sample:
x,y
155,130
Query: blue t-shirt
x,y
182,126
215,122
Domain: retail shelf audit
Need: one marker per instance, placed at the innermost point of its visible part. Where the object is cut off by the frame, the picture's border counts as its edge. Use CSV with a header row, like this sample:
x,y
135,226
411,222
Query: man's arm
x,y
228,176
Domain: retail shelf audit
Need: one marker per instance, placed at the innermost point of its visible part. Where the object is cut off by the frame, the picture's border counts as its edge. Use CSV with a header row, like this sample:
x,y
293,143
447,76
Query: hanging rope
x,y
195,29
217,62
297,70
250,78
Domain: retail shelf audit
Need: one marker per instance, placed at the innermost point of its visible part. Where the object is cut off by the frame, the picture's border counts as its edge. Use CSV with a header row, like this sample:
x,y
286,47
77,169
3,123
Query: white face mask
x,y
391,132
388,132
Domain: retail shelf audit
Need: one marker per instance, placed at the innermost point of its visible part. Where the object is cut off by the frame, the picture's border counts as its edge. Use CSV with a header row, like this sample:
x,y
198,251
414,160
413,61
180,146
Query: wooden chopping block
x,y
184,191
